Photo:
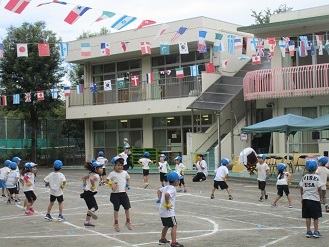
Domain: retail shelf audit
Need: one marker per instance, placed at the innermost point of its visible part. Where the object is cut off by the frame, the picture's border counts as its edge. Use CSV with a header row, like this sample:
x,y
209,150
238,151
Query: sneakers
x,y
17,203
129,226
230,197
274,205
117,227
8,202
176,245
32,210
48,217
28,212
88,223
261,199
92,214
316,234
212,196
60,217
3,196
185,190
309,234
146,185
291,206
163,241
266,197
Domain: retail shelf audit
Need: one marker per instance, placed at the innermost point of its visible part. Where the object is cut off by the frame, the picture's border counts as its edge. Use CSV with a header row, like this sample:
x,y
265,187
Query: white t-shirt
x,y
120,178
202,163
283,180
180,168
12,179
102,160
96,182
124,156
163,167
30,178
323,172
310,184
4,172
262,168
171,190
220,172
55,179
145,163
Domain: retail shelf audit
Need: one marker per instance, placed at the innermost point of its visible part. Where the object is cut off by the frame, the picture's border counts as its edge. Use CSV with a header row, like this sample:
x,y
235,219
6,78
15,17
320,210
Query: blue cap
x,y
225,161
311,165
95,164
16,159
125,147
146,154
30,165
179,158
58,164
173,176
13,166
281,167
323,160
163,156
261,156
100,153
7,163
93,160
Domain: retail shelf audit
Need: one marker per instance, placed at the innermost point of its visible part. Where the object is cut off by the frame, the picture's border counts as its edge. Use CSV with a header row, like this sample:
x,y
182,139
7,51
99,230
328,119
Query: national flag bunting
x,y
282,45
85,49
1,50
217,42
93,87
183,48
146,48
67,91
260,50
105,15
80,89
124,46
64,49
3,100
230,44
107,85
237,43
164,49
161,31
145,23
271,45
253,43
22,50
319,42
43,50
180,32
303,46
17,6
149,78
40,95
292,48
105,49
224,63
179,73
122,22
54,93
16,99
75,14
210,68
134,80
28,97
202,40
194,70
165,72
121,83
256,59
54,1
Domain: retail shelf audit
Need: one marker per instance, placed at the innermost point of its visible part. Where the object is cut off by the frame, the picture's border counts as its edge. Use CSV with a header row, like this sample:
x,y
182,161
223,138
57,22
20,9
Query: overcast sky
x,y
234,11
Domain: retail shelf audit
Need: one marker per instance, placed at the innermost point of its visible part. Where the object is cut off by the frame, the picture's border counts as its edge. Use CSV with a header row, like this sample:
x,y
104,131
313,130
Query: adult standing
x,y
129,163
202,169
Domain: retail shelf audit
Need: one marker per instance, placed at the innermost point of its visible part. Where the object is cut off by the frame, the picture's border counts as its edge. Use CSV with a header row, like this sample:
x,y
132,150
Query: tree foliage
x,y
30,74
264,16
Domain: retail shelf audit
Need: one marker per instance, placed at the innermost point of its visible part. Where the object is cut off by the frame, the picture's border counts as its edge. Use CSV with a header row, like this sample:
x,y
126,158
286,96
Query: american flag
x,y
260,48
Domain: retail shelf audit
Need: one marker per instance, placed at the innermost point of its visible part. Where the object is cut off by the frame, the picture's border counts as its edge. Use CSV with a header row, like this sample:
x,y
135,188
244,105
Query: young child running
x,y
311,192
145,163
90,184
11,183
263,174
124,156
180,168
284,178
4,171
167,199
163,167
102,160
27,178
323,172
221,174
119,180
56,182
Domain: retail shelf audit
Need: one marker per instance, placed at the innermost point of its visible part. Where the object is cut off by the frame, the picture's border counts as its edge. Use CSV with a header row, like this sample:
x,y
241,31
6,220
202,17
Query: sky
x,y
234,11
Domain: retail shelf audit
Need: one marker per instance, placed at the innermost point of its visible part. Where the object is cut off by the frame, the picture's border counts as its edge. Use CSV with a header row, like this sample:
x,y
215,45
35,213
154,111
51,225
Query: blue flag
x,y
93,87
164,49
16,99
230,44
63,49
194,70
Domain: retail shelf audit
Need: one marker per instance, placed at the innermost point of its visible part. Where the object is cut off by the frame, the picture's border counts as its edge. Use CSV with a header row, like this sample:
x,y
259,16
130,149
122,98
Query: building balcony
x,y
309,80
167,88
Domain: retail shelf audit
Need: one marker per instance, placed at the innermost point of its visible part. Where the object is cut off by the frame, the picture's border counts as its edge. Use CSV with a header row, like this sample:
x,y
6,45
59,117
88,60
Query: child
x,y
284,179
311,192
119,180
124,156
90,183
145,162
167,198
179,168
56,182
17,160
163,167
323,172
263,175
11,183
27,178
221,174
202,169
4,171
102,160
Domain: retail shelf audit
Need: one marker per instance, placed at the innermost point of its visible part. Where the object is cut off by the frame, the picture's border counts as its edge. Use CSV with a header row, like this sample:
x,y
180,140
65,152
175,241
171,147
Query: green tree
x,y
31,74
264,16
76,71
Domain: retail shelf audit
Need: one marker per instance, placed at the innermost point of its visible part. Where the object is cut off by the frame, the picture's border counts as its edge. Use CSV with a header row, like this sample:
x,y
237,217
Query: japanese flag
x,y
22,50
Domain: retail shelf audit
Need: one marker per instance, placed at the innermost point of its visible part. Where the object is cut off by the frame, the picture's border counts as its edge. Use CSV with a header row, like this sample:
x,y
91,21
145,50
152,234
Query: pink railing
x,y
287,82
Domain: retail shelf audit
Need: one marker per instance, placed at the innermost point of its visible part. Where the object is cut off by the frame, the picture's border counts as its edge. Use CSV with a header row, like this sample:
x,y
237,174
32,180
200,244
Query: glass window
x,y
123,123
136,138
97,78
110,124
159,122
173,121
172,58
121,66
98,125
136,64
158,61
110,67
109,77
98,69
159,138
188,57
99,139
110,139
136,123
187,120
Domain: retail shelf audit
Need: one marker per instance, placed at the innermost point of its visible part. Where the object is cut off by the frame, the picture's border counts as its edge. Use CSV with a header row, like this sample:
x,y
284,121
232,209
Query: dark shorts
x,y
89,197
181,181
311,209
104,172
58,198
169,221
30,196
283,188
146,172
221,184
119,199
261,185
163,177
13,191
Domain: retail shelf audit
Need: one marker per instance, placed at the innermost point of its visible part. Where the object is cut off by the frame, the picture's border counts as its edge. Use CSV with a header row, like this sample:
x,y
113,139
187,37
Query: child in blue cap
x,y
221,174
323,172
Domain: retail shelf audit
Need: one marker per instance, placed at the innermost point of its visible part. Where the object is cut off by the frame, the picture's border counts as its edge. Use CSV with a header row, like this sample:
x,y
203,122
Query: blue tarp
x,y
320,123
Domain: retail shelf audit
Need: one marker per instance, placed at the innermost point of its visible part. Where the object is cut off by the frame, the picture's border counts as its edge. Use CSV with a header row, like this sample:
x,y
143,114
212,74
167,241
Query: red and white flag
x,y
179,73
145,23
40,95
17,6
105,49
134,80
22,50
149,78
43,50
210,68
146,48
271,45
4,100
224,63
255,59
161,31
75,14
